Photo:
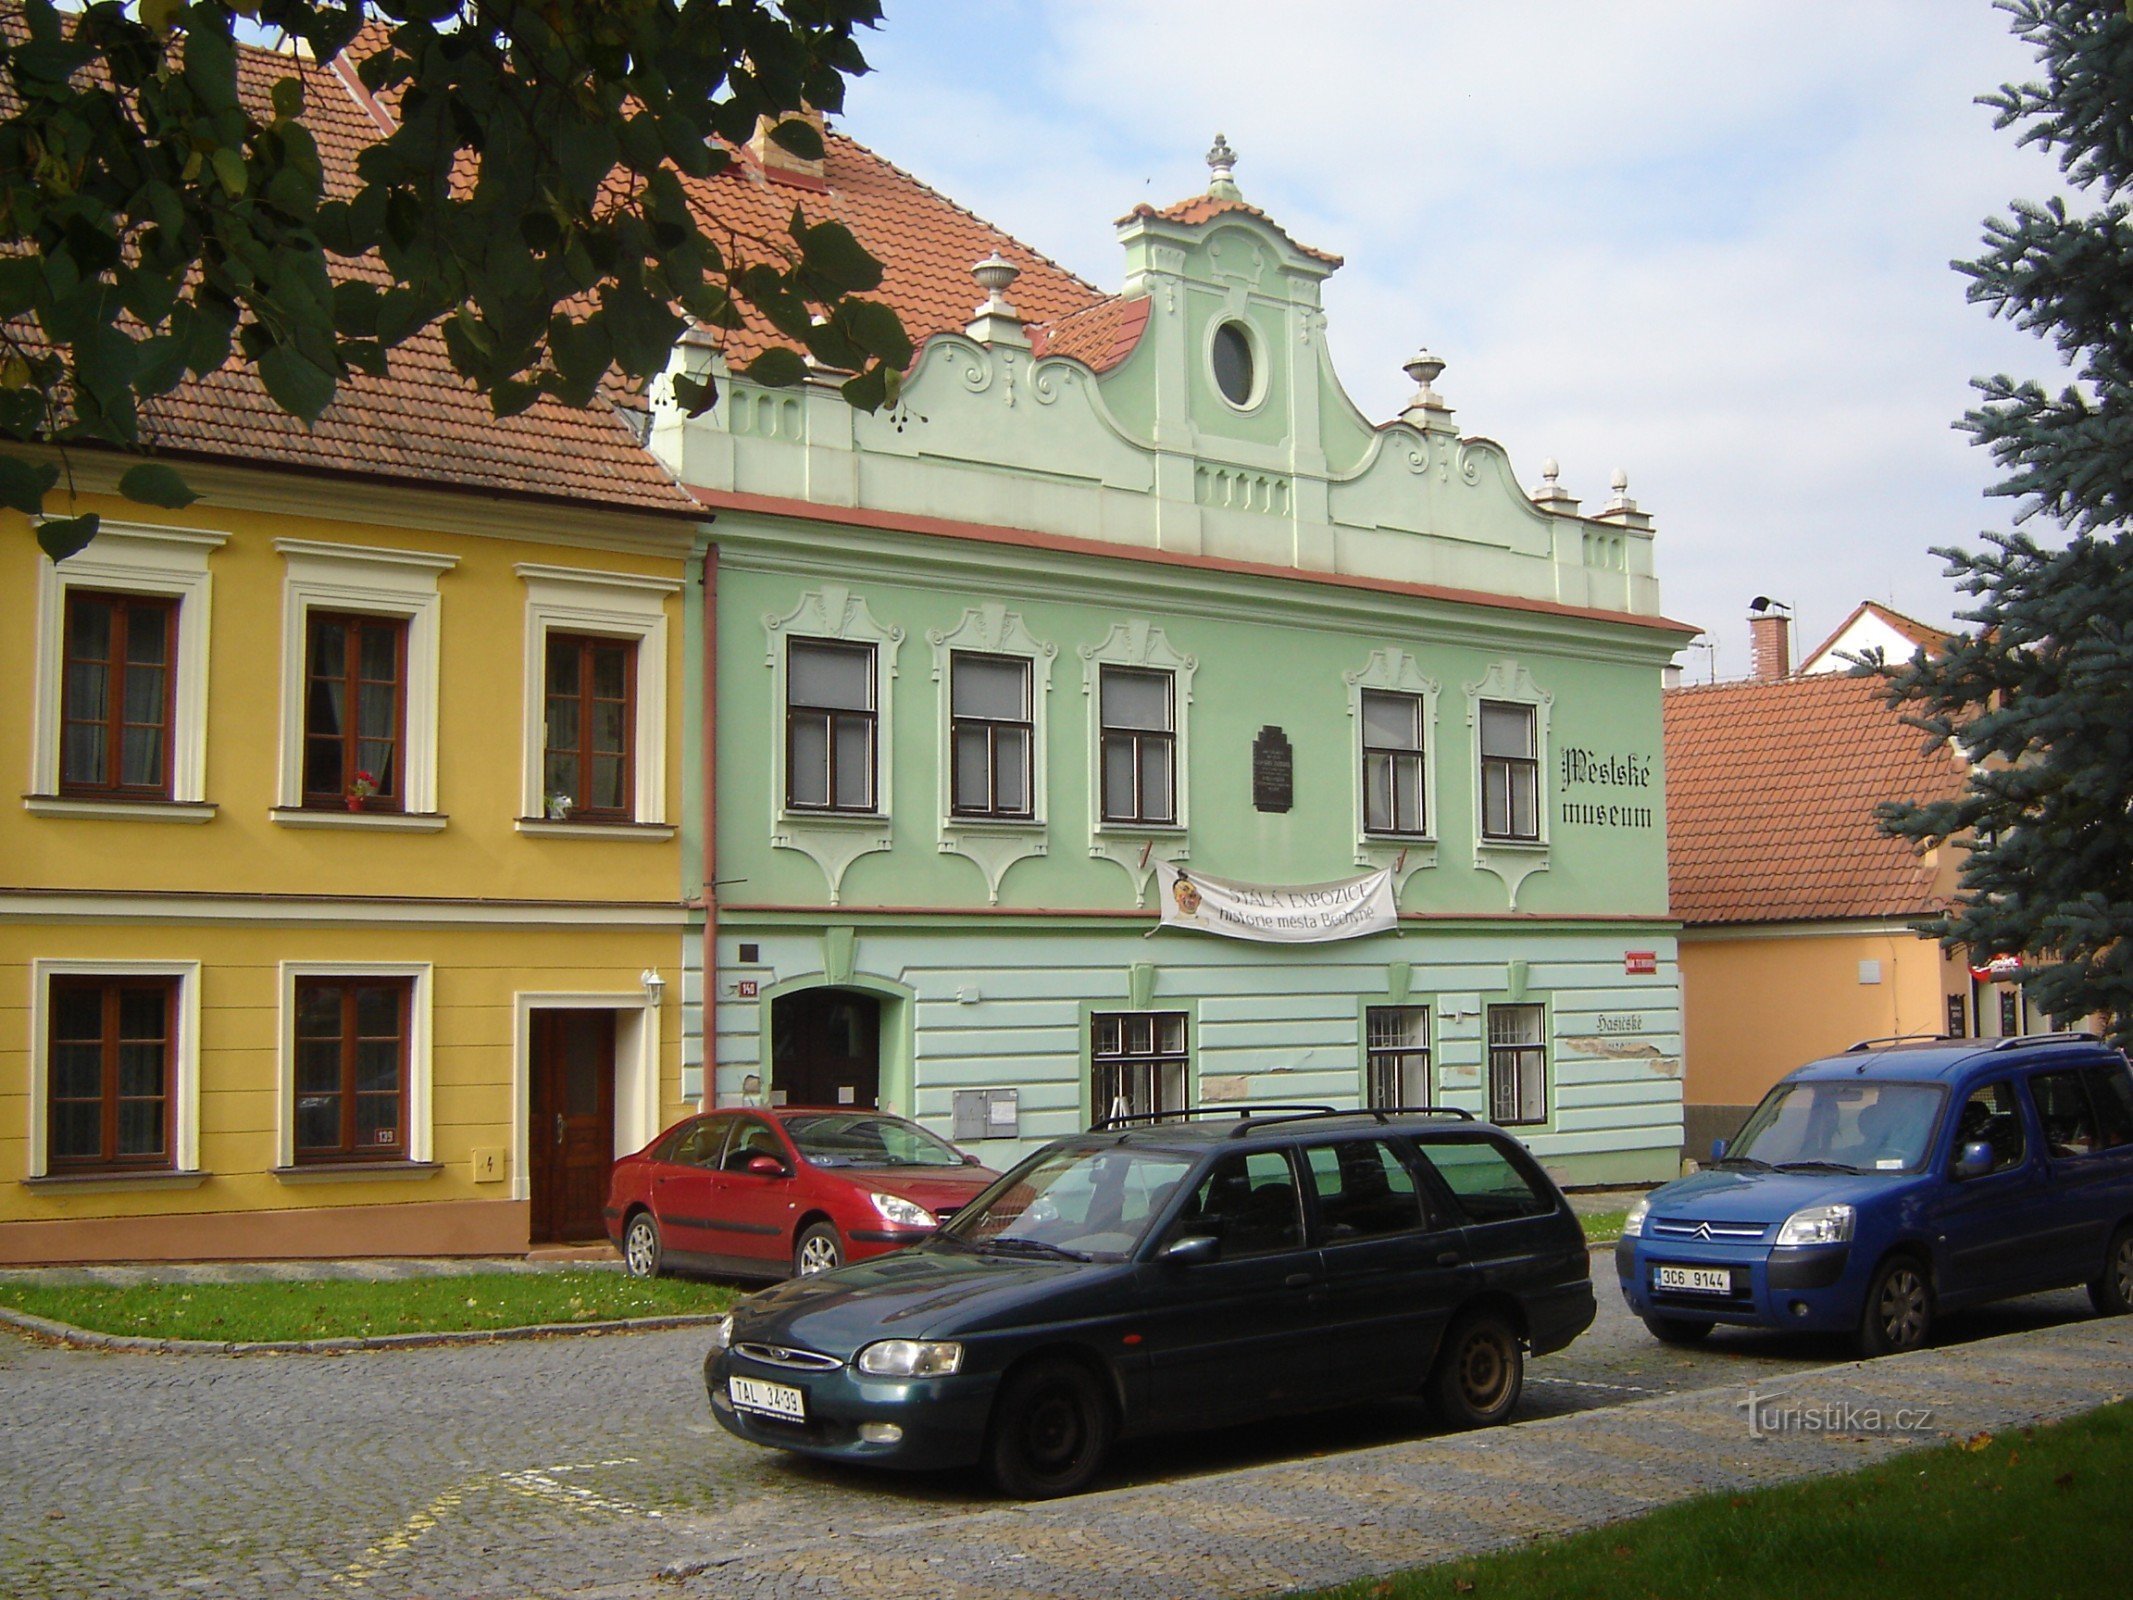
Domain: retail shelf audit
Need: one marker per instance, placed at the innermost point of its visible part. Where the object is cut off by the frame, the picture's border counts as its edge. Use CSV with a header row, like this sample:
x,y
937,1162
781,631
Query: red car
x,y
791,1190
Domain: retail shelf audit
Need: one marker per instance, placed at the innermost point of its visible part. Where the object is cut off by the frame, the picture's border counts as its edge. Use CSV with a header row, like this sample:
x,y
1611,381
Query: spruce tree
x,y
2038,688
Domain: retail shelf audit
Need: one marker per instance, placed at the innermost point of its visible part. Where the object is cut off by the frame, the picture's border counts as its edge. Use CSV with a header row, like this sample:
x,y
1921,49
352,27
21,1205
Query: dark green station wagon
x,y
1194,1271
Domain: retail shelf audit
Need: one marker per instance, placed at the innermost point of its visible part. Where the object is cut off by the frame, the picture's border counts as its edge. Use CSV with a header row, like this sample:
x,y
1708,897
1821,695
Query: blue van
x,y
1876,1189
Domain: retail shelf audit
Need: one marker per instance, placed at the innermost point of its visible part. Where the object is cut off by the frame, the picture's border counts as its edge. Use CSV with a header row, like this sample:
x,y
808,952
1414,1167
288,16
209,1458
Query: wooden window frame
x,y
348,1150
1154,1062
1511,766
833,718
350,740
1512,1056
1400,759
992,727
123,604
586,645
109,986
1382,1059
1134,741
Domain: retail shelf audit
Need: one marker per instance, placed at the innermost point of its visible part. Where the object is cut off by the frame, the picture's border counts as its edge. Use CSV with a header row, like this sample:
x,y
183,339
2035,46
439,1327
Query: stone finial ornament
x,y
1620,484
1549,494
996,321
1425,369
1221,170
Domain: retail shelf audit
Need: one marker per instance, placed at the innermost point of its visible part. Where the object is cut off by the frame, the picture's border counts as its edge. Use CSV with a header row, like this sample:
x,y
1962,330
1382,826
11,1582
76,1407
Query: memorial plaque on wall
x,y
1273,771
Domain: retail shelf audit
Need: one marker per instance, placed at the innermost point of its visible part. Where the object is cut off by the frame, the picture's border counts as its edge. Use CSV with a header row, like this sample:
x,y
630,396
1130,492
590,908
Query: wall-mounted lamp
x,y
654,985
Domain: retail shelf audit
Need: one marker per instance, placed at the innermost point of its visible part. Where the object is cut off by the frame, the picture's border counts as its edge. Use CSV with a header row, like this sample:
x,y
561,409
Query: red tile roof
x,y
422,424
1770,796
1100,337
1206,207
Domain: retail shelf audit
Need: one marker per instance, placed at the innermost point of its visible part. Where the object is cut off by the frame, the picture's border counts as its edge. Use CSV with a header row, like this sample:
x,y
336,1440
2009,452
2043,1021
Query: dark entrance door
x,y
572,1130
825,1049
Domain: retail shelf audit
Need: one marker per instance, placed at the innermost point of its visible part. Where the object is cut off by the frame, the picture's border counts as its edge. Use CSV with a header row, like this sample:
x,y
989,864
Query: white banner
x,y
1311,914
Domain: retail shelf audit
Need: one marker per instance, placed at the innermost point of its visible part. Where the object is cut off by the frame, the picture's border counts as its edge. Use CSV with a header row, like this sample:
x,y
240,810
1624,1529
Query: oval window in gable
x,y
1233,363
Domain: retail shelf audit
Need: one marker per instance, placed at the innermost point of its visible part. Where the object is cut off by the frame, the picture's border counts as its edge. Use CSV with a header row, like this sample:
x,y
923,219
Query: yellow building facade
x,y
259,999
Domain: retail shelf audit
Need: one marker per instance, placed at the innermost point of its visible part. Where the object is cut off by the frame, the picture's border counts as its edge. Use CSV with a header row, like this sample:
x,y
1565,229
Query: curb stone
x,y
89,1339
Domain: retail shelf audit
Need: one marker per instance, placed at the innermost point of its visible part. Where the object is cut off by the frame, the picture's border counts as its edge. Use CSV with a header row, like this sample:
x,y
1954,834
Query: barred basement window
x,y
1397,1045
1518,1065
1138,1062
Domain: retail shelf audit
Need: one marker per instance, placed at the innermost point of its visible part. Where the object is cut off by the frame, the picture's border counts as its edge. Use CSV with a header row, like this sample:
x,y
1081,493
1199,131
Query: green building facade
x,y
982,660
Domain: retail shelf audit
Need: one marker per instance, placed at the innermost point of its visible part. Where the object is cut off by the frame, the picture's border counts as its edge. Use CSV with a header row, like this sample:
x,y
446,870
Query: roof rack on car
x,y
1185,1113
1901,1038
2015,1041
1254,1122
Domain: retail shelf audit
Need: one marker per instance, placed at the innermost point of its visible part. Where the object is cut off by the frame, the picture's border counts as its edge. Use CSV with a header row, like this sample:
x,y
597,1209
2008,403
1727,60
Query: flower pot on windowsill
x,y
355,802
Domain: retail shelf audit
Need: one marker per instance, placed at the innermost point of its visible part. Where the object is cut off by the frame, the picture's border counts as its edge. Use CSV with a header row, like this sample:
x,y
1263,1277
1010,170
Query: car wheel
x,y
1479,1373
642,1253
2111,1291
1677,1330
1899,1309
817,1250
1050,1430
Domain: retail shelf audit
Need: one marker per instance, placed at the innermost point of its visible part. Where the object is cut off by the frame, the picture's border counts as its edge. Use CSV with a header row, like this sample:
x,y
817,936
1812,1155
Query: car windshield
x,y
865,1139
1851,1126
1072,1205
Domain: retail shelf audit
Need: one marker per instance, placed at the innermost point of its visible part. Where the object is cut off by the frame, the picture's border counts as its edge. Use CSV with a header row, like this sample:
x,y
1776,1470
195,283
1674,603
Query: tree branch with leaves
x,y
530,201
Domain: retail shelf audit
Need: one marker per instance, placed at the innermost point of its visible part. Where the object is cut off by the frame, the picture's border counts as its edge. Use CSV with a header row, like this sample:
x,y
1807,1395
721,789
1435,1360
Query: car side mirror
x,y
1975,1160
970,1160
1718,1149
1194,1250
767,1167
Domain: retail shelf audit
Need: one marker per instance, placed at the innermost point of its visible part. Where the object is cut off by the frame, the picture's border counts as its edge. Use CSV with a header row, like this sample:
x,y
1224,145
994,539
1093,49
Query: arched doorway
x,y
825,1048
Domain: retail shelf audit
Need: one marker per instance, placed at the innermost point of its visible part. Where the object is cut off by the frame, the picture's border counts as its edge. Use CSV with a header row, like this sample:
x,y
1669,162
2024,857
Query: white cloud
x,y
1707,243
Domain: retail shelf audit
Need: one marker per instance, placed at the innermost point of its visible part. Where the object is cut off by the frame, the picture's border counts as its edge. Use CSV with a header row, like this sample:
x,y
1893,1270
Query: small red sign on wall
x,y
1639,962
747,988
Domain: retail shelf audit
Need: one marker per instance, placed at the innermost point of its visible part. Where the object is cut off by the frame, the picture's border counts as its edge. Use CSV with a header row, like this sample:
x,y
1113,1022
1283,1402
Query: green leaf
x,y
876,329
776,368
24,484
694,395
288,95
66,536
298,386
831,253
229,170
153,484
799,136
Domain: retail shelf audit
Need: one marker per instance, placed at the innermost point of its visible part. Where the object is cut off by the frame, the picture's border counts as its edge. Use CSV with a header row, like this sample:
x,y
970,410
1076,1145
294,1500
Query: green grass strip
x,y
331,1309
2040,1514
1604,1227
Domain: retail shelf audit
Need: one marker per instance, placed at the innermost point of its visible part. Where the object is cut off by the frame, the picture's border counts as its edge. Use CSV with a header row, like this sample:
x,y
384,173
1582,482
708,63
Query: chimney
x,y
776,160
1770,639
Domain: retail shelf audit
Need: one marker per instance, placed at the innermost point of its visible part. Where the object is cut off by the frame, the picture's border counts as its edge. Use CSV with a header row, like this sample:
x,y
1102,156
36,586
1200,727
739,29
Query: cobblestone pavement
x,y
591,1464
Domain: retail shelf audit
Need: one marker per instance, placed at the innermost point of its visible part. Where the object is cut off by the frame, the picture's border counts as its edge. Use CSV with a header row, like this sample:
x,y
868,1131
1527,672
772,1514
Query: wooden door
x,y
826,1049
572,1128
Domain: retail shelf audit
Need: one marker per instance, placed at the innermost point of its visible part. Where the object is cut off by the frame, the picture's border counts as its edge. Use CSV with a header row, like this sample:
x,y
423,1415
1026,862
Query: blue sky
x,y
1704,242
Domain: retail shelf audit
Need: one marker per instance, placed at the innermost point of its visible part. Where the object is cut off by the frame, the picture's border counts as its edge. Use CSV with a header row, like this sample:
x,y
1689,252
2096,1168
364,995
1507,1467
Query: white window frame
x,y
131,558
1395,671
1513,860
612,605
420,1056
994,844
1136,846
1543,1044
375,581
184,1100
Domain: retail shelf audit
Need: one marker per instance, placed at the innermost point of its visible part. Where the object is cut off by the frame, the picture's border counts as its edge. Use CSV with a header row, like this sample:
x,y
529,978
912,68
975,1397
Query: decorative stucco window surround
x,y
613,605
132,558
1406,854
183,1097
1137,846
418,1160
1512,860
994,844
379,582
833,840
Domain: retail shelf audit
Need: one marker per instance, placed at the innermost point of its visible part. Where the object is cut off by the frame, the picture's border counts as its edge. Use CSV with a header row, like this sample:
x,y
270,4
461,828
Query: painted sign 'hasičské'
x,y
1311,914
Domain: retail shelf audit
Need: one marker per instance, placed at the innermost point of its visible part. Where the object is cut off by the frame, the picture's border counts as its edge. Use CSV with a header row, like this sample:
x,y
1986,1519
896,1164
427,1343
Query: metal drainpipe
x,y
709,733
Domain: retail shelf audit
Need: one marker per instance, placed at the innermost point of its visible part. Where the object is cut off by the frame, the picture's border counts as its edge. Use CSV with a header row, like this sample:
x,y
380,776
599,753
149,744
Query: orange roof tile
x,y
1100,337
1770,795
1206,207
1921,634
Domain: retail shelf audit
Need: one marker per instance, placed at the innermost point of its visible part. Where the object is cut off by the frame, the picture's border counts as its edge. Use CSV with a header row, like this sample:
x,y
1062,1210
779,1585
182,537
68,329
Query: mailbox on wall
x,y
987,1114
